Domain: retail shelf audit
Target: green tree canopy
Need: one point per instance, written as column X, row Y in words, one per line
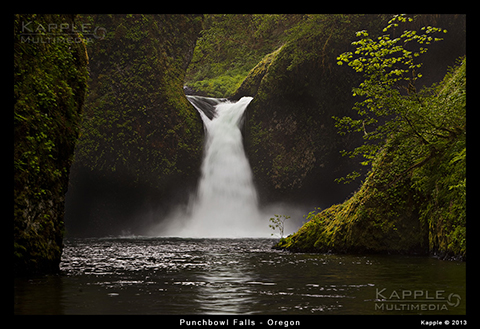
column 389, row 102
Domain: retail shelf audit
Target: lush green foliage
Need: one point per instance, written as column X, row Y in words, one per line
column 278, row 222
column 414, row 198
column 254, row 78
column 389, row 100
column 427, row 127
column 441, row 176
column 230, row 46
column 49, row 87
column 137, row 119
column 317, row 36
column 290, row 136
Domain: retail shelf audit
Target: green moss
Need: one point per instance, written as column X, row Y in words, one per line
column 290, row 137
column 220, row 86
column 251, row 83
column 376, row 219
column 230, row 46
column 140, row 139
column 442, row 181
column 137, row 120
column 403, row 207
column 49, row 87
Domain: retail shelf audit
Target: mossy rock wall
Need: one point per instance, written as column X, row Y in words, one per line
column 141, row 137
column 379, row 218
column 50, row 80
column 405, row 206
column 290, row 135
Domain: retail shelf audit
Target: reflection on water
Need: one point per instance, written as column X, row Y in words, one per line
column 224, row 290
column 233, row 276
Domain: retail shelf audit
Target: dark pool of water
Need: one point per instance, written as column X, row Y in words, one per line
column 237, row 276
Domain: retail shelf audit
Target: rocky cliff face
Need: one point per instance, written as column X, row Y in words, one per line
column 405, row 205
column 50, row 78
column 290, row 136
column 140, row 137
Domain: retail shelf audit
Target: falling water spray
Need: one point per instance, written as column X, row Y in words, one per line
column 226, row 203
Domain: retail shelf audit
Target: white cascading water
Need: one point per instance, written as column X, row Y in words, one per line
column 226, row 201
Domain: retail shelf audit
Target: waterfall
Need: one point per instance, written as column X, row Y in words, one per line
column 225, row 204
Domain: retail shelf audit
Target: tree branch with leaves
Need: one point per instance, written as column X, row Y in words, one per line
column 278, row 222
column 389, row 102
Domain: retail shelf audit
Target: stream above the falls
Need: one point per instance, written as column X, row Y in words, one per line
column 146, row 275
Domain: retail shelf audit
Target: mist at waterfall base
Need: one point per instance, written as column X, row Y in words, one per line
column 225, row 203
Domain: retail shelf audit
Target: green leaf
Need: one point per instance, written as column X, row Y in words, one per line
column 388, row 69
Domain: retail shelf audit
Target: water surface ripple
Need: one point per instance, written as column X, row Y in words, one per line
column 139, row 275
